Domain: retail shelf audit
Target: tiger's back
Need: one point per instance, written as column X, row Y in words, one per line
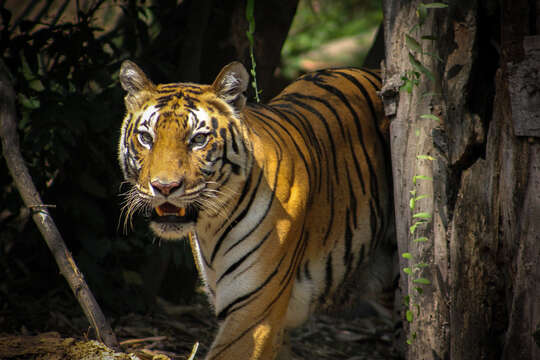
column 282, row 202
column 332, row 124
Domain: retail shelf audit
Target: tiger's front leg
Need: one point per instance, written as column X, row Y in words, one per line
column 254, row 331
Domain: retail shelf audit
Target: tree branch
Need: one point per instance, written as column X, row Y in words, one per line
column 40, row 213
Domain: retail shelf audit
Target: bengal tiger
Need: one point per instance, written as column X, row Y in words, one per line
column 281, row 202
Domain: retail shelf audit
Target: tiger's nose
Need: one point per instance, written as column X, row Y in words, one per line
column 166, row 188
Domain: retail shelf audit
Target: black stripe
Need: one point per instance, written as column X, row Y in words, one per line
column 295, row 256
column 313, row 139
column 374, row 186
column 376, row 87
column 293, row 98
column 374, row 182
column 373, row 223
column 307, row 273
column 234, row 133
column 359, row 174
column 227, row 310
column 348, row 256
column 327, row 277
column 272, row 196
column 243, row 194
column 327, row 105
column 266, row 311
column 352, row 197
column 372, row 73
column 330, row 218
column 236, row 219
column 292, row 139
column 235, row 265
column 225, row 159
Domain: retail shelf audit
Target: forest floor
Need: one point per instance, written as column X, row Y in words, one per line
column 173, row 330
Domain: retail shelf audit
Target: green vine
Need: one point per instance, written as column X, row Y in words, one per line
column 411, row 79
column 249, row 33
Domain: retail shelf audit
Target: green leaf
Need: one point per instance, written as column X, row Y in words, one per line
column 422, row 281
column 407, row 86
column 430, row 116
column 419, row 290
column 421, row 239
column 412, row 43
column 420, row 177
column 418, row 66
column 422, row 215
column 407, row 271
column 409, row 316
column 425, row 157
column 406, row 300
column 421, row 265
column 435, row 6
column 31, row 103
column 406, row 255
column 421, row 11
column 412, row 203
column 413, row 227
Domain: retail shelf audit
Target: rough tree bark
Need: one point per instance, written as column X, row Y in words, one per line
column 483, row 248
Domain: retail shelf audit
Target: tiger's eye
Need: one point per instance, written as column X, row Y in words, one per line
column 145, row 139
column 199, row 139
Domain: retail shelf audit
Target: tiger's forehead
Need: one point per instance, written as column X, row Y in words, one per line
column 187, row 107
column 184, row 97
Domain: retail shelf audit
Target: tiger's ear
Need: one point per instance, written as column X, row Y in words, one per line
column 230, row 84
column 135, row 82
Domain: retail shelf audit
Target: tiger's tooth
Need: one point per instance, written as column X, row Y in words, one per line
column 158, row 211
column 182, row 212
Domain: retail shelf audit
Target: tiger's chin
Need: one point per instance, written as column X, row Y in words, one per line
column 172, row 231
column 172, row 223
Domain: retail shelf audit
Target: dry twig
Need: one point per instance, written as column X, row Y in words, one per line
column 40, row 212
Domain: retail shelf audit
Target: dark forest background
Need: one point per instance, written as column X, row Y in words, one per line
column 63, row 57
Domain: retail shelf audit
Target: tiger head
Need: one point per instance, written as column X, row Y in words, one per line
column 182, row 147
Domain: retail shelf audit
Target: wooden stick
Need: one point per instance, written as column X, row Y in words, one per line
column 40, row 212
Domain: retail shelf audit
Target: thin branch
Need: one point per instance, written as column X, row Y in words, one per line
column 42, row 218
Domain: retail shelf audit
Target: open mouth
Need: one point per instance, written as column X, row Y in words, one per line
column 169, row 213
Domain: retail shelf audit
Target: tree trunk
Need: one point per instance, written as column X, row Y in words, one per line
column 483, row 186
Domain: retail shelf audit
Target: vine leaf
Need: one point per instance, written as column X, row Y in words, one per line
column 413, row 44
column 422, row 215
column 409, row 315
column 435, row 6
column 418, row 66
column 413, row 227
column 422, row 281
column 421, row 177
column 430, row 117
